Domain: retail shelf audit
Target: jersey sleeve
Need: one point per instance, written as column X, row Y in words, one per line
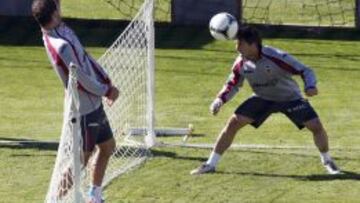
column 291, row 65
column 98, row 68
column 233, row 83
column 306, row 73
column 86, row 82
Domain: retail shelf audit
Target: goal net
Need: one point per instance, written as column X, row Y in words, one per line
column 338, row 13
column 130, row 64
column 333, row 13
column 65, row 180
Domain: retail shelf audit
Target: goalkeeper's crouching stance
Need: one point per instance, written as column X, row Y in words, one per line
column 64, row 48
column 269, row 72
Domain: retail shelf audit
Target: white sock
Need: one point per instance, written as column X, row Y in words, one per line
column 213, row 159
column 325, row 157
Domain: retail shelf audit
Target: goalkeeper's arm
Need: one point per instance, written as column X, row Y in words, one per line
column 298, row 68
column 231, row 87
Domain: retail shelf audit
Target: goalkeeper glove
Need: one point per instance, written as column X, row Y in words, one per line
column 216, row 105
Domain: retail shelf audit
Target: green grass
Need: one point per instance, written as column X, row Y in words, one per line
column 243, row 176
column 186, row 82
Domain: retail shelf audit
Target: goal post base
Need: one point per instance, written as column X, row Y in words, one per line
column 165, row 132
column 150, row 138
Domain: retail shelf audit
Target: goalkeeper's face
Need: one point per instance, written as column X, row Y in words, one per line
column 247, row 50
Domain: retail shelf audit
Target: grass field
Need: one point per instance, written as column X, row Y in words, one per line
column 187, row 81
column 190, row 70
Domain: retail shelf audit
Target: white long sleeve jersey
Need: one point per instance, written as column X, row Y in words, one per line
column 63, row 47
column 270, row 77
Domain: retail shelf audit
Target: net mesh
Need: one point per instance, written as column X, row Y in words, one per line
column 127, row 63
column 65, row 180
column 127, row 8
column 305, row 12
column 113, row 9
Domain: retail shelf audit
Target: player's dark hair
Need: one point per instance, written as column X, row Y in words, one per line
column 42, row 10
column 249, row 35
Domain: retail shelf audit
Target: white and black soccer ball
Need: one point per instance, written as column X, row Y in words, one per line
column 223, row 26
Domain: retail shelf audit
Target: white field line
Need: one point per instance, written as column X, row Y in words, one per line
column 192, row 145
column 250, row 146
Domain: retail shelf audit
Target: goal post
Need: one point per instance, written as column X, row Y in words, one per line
column 150, row 137
column 66, row 177
column 75, row 131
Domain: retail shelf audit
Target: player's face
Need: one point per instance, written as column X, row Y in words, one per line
column 247, row 50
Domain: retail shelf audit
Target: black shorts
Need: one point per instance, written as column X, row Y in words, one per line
column 258, row 109
column 95, row 129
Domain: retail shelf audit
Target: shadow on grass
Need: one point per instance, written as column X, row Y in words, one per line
column 292, row 153
column 346, row 175
column 173, row 155
column 22, row 143
column 14, row 143
column 194, row 135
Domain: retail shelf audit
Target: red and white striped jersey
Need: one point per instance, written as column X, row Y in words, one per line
column 63, row 47
column 270, row 77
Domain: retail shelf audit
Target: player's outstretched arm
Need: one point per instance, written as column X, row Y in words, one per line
column 215, row 106
column 298, row 68
column 230, row 89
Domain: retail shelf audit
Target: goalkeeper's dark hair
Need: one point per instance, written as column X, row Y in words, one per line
column 250, row 35
column 42, row 10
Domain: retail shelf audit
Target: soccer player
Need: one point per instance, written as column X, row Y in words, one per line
column 269, row 72
column 64, row 48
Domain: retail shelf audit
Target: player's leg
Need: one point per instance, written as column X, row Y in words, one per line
column 319, row 134
column 105, row 151
column 105, row 144
column 253, row 111
column 301, row 113
column 66, row 181
column 226, row 136
column 101, row 160
column 321, row 142
column 223, row 142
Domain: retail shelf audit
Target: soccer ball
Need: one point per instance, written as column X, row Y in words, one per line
column 223, row 26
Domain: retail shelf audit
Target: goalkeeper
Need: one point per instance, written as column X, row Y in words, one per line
column 269, row 72
column 63, row 48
